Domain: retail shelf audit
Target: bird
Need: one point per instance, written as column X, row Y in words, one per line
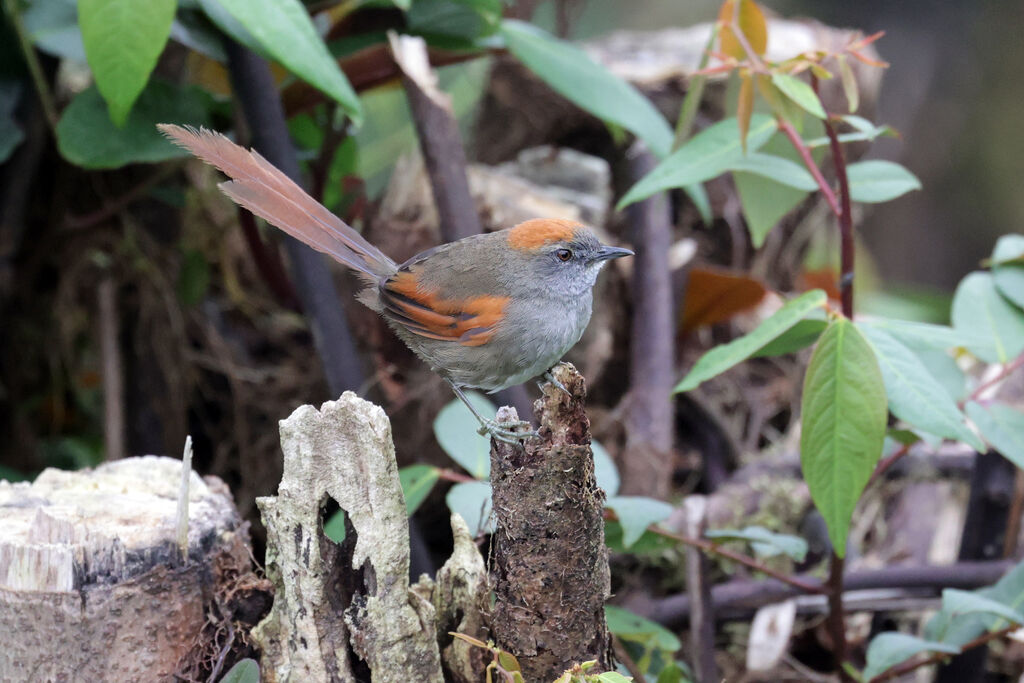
column 487, row 312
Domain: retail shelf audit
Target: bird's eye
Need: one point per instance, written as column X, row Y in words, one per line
column 563, row 254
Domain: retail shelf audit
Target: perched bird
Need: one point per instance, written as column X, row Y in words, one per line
column 485, row 312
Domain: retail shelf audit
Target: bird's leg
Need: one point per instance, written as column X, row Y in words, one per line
column 548, row 377
column 508, row 432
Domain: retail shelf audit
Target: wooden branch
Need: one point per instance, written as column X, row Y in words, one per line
column 698, row 587
column 342, row 609
column 550, row 567
column 113, row 370
column 647, row 463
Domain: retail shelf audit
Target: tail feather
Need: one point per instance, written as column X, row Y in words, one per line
column 267, row 192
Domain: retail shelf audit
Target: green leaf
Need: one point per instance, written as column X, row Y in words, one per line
column 1003, row 427
column 765, row 543
column 798, row 337
column 53, row 27
column 573, row 74
column 800, row 92
column 915, row 396
column 605, row 471
column 877, row 181
column 649, row 543
column 1008, row 267
column 944, row 368
column 417, row 482
column 967, row 602
column 465, row 19
column 979, row 308
column 245, row 671
column 87, row 137
column 283, row 28
column 721, row 358
column 842, row 425
column 889, row 649
column 123, row 39
column 613, row 677
column 472, row 501
column 957, row 629
column 706, row 155
column 779, row 169
column 630, row 626
column 334, row 528
column 456, row 430
column 925, row 336
column 636, row 513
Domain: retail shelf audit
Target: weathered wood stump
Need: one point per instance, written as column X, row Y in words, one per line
column 92, row 583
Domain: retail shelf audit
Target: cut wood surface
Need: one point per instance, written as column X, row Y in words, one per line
column 92, row 584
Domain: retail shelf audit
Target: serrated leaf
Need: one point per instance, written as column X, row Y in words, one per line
column 87, row 137
column 764, row 542
column 843, row 418
column 285, row 31
column 781, row 170
column 472, row 501
column 417, row 482
column 574, row 75
column 636, row 513
column 123, row 39
column 1008, row 267
column 455, row 428
column 630, row 626
column 704, row 156
column 1002, row 426
column 605, row 472
column 245, row 671
column 800, row 93
column 751, row 22
column 967, row 602
column 979, row 308
column 721, row 358
column 849, row 81
column 915, row 396
column 875, row 181
column 889, row 649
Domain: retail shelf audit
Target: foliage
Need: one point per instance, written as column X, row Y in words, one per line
column 245, row 671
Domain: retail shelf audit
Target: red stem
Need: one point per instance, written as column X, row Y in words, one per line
column 805, row 154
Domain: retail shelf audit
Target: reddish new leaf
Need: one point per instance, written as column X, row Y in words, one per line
column 713, row 295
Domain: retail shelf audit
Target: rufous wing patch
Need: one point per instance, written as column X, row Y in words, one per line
column 470, row 322
column 536, row 233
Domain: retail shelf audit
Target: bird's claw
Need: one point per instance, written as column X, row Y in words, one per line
column 508, row 432
column 548, row 377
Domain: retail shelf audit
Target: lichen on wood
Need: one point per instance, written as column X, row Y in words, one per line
column 342, row 612
column 550, row 567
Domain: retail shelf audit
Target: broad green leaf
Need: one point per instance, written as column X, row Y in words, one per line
column 573, row 74
column 944, row 368
column 925, row 336
column 800, row 336
column 649, row 543
column 123, row 39
column 334, row 528
column 958, row 629
column 721, row 358
column 706, row 155
column 914, row 395
column 626, row 624
column 636, row 513
column 195, row 31
column 877, row 181
column 472, row 501
column 285, row 31
column 889, row 649
column 87, row 137
column 765, row 543
column 1003, row 427
column 1008, row 268
column 464, row 19
column 417, row 482
column 605, row 471
column 53, row 27
column 979, row 308
column 613, row 677
column 783, row 171
column 799, row 92
column 456, row 430
column 245, row 671
column 219, row 15
column 842, row 425
column 967, row 602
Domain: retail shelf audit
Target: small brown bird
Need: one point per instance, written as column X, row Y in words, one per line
column 485, row 312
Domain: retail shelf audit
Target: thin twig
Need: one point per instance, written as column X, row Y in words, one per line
column 935, row 658
column 805, row 155
column 846, row 247
column 887, row 462
column 1006, row 371
column 451, row 475
column 113, row 371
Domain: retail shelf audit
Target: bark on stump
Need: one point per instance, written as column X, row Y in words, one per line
column 92, row 587
column 550, row 569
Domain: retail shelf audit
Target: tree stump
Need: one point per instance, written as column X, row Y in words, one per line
column 92, row 583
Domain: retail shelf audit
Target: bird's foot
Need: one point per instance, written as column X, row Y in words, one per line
column 550, row 378
column 507, row 432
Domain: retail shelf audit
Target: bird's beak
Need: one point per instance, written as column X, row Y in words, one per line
column 606, row 253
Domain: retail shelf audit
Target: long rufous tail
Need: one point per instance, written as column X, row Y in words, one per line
column 260, row 187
